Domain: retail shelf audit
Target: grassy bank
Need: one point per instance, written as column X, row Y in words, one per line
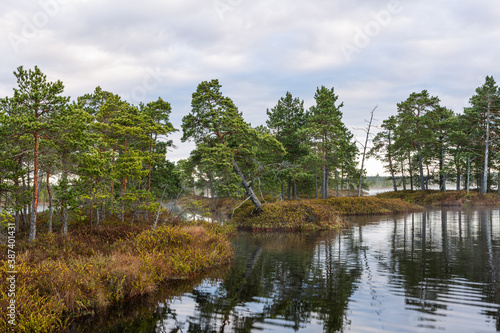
column 60, row 278
column 316, row 213
column 449, row 198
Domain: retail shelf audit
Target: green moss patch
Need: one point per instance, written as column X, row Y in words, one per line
column 449, row 198
column 316, row 214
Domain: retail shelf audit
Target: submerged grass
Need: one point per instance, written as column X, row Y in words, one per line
column 316, row 213
column 59, row 278
column 448, row 198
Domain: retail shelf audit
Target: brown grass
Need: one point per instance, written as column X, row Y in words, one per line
column 90, row 270
column 316, row 213
column 288, row 215
column 449, row 198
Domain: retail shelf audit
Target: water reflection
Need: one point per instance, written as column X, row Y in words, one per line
column 421, row 272
column 279, row 281
column 437, row 271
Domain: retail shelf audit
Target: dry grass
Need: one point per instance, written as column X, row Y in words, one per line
column 316, row 213
column 449, row 198
column 89, row 270
column 288, row 215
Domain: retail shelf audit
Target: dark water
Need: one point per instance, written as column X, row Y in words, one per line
column 434, row 271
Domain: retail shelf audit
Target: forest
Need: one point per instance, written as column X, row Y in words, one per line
column 100, row 156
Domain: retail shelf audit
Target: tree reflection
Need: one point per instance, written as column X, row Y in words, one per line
column 448, row 245
column 288, row 280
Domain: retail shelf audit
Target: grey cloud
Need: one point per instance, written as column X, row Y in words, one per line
column 260, row 49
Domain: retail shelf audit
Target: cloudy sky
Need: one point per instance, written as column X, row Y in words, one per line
column 373, row 52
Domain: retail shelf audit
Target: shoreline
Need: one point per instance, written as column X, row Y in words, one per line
column 92, row 270
column 60, row 279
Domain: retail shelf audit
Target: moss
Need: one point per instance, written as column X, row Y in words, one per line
column 449, row 198
column 89, row 270
column 370, row 206
column 288, row 215
column 316, row 213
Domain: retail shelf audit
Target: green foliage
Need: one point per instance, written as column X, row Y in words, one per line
column 90, row 147
column 433, row 142
column 227, row 146
column 333, row 142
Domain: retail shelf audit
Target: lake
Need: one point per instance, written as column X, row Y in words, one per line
column 436, row 271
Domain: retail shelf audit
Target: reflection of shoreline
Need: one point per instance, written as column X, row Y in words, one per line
column 392, row 273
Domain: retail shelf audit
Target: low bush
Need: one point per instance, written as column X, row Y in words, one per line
column 448, row 198
column 59, row 278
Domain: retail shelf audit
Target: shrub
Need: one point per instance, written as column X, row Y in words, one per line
column 90, row 270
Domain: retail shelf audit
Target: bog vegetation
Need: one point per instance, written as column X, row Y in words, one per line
column 98, row 158
column 441, row 198
column 62, row 278
column 317, row 214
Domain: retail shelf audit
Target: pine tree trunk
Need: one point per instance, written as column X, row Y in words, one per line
column 403, row 178
column 342, row 178
column 97, row 217
column 411, row 173
column 17, row 210
column 149, row 166
column 427, row 177
column 16, row 219
column 421, row 171
column 442, row 177
column 247, row 187
column 315, row 182
column 326, row 182
column 35, row 189
column 91, row 204
column 468, row 175
column 391, row 168
column 64, row 213
column 337, row 182
column 282, row 197
column 323, row 182
column 28, row 207
column 50, row 203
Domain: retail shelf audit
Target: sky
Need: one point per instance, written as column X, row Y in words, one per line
column 372, row 52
